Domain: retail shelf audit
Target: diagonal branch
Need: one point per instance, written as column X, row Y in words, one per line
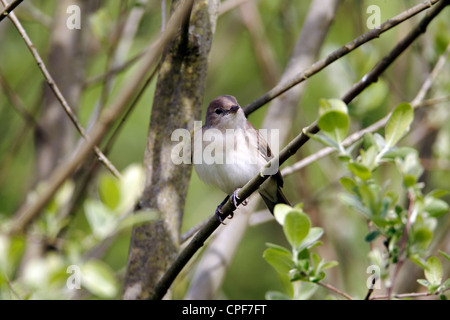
column 9, row 8
column 335, row 55
column 245, row 192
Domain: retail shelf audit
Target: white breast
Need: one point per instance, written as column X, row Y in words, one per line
column 231, row 166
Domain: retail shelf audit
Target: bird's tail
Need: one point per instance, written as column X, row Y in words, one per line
column 280, row 198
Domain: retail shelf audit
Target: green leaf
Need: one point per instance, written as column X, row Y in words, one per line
column 296, row 227
column 398, row 153
column 280, row 212
column 372, row 236
column 354, row 203
column 359, row 170
column 333, row 119
column 101, row 219
column 306, row 290
column 418, row 260
column 280, row 260
column 369, row 196
column 423, row 282
column 277, row 247
column 137, row 218
column 109, row 191
column 446, row 284
column 398, row 124
column 369, row 157
column 433, row 271
column 422, row 238
column 410, row 168
column 438, row 193
column 329, row 264
column 349, row 185
column 313, row 235
column 322, row 138
column 445, row 255
column 327, row 105
column 435, row 207
column 99, row 279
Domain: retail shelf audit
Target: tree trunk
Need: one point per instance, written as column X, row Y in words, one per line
column 177, row 103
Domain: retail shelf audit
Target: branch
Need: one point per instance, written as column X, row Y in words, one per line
column 408, row 295
column 31, row 209
column 245, row 192
column 335, row 290
column 58, row 94
column 335, row 55
column 9, row 8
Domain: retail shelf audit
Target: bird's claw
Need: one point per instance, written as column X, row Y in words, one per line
column 235, row 198
column 219, row 214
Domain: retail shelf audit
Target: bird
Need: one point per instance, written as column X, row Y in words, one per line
column 233, row 152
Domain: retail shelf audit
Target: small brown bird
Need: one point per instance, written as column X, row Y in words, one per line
column 233, row 152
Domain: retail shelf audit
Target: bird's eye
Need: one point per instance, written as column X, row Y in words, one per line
column 218, row 111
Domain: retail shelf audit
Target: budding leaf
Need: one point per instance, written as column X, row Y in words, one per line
column 296, row 227
column 433, row 271
column 333, row 119
column 398, row 124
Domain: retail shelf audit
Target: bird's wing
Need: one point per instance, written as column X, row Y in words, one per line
column 265, row 152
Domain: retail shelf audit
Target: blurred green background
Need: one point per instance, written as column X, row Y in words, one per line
column 233, row 70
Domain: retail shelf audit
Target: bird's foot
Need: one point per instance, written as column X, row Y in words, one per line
column 235, row 198
column 219, row 212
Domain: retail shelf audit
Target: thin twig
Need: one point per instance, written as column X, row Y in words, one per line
column 335, row 290
column 11, row 287
column 408, row 295
column 58, row 94
column 30, row 12
column 116, row 69
column 17, row 103
column 213, row 223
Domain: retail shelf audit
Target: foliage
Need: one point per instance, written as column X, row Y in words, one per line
column 74, row 263
column 298, row 263
column 383, row 180
column 407, row 219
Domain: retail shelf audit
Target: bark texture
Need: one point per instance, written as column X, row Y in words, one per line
column 177, row 103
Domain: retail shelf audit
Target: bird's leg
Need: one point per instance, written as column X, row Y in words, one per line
column 219, row 210
column 235, row 198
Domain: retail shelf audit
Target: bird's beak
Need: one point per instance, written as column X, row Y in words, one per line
column 234, row 109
